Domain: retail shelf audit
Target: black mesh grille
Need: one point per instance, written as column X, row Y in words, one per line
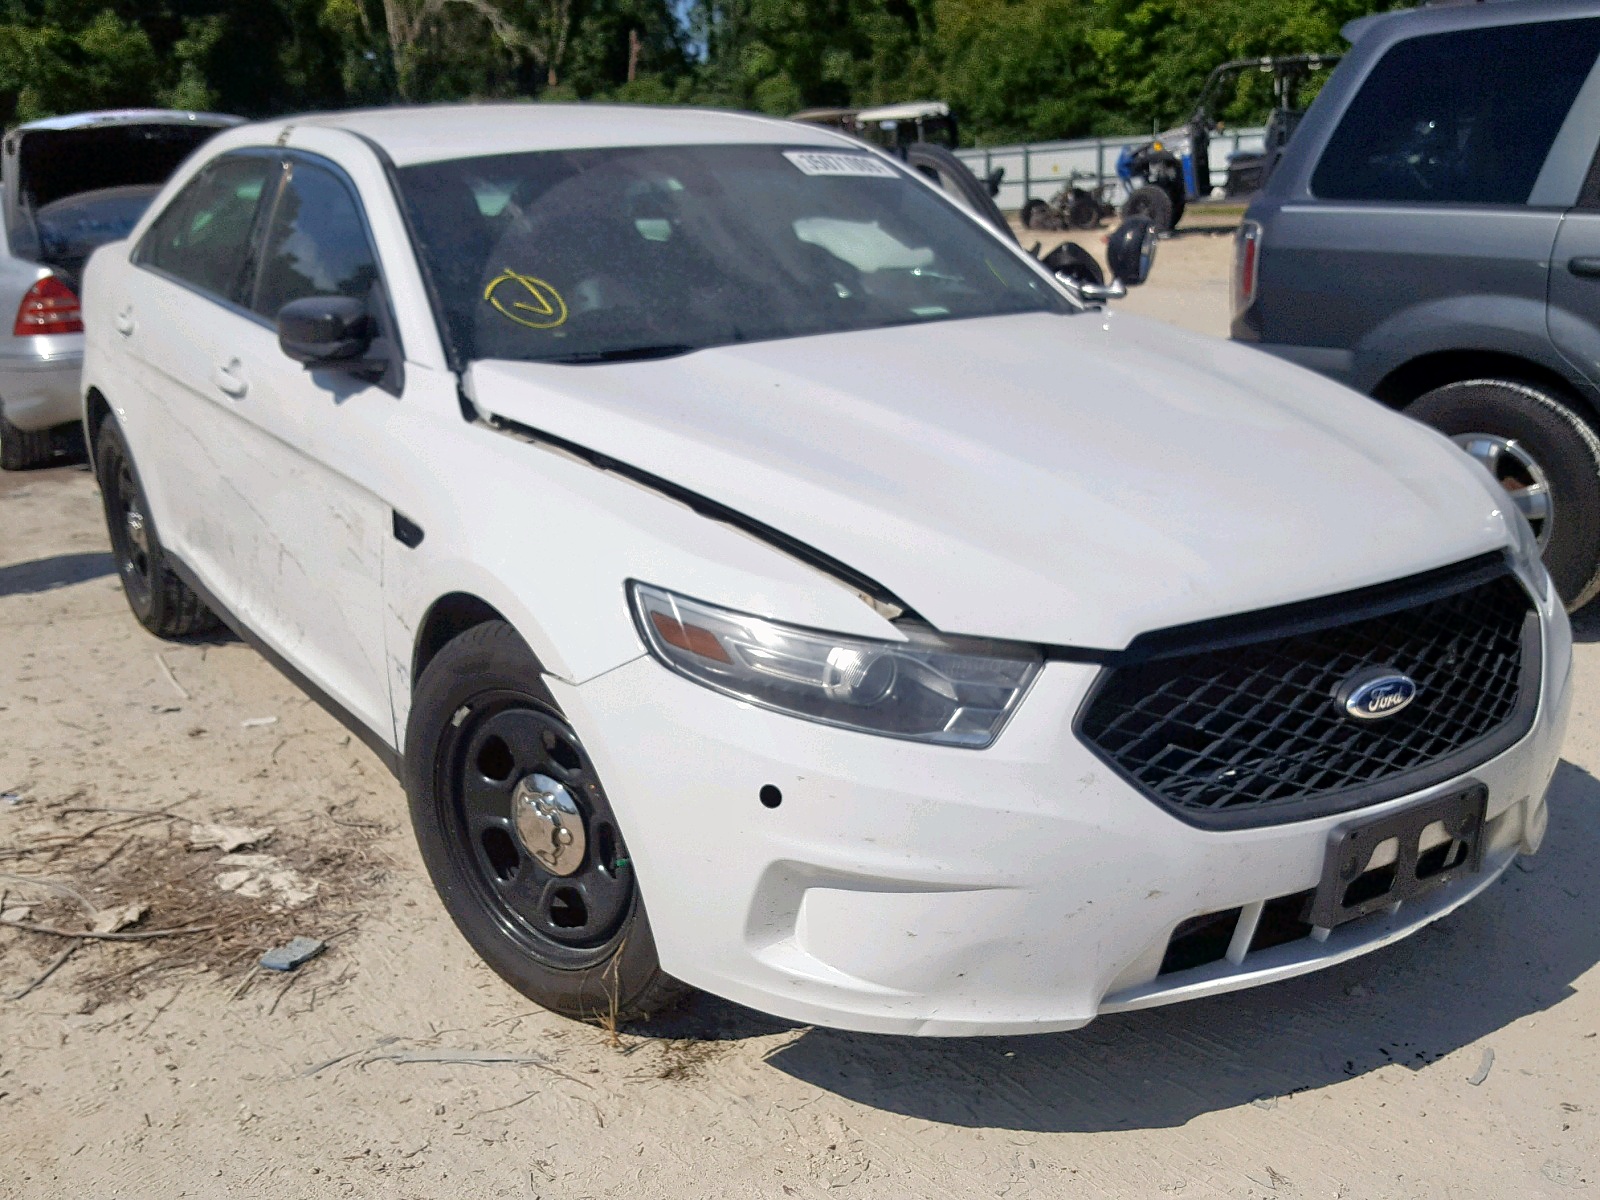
column 1251, row 734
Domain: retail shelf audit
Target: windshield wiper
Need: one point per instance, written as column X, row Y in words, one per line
column 625, row 353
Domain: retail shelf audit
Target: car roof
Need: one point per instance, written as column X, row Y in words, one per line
column 130, row 116
column 432, row 133
column 1447, row 15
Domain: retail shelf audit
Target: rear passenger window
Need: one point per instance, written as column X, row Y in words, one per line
column 316, row 245
column 202, row 237
column 1459, row 118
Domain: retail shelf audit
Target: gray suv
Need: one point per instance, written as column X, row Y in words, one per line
column 1431, row 237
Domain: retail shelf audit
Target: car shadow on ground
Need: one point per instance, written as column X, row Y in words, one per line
column 59, row 571
column 1197, row 231
column 1514, row 951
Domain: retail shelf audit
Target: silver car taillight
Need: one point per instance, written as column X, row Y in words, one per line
column 49, row 307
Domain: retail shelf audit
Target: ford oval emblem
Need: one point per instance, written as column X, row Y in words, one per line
column 1377, row 693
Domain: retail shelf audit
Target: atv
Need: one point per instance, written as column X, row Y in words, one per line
column 1164, row 174
column 1084, row 203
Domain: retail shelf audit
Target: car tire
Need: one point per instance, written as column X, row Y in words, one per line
column 954, row 177
column 482, row 726
column 161, row 601
column 21, row 449
column 1564, row 449
column 1153, row 201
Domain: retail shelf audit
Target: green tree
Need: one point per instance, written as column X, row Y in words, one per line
column 1013, row 69
column 46, row 68
column 1155, row 54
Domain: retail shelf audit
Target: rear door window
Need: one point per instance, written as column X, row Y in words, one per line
column 1459, row 118
column 317, row 244
column 202, row 238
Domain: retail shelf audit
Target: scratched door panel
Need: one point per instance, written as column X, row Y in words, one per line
column 311, row 564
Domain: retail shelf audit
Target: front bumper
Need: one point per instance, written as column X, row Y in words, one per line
column 40, row 391
column 904, row 888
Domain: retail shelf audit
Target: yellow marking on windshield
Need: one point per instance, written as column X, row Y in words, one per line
column 526, row 300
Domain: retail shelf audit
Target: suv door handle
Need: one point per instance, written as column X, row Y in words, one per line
column 1586, row 268
column 229, row 381
column 124, row 322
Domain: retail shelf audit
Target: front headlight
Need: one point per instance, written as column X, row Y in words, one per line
column 955, row 692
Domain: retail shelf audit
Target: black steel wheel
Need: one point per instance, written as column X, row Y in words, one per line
column 560, row 892
column 160, row 600
column 519, row 838
column 129, row 529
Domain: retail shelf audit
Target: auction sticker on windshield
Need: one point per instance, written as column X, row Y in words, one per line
column 813, row 162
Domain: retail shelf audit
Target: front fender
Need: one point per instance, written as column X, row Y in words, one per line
column 550, row 542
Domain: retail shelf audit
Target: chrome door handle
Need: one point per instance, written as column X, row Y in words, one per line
column 229, row 381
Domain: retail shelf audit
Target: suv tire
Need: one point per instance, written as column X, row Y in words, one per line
column 482, row 725
column 24, row 448
column 1564, row 447
column 161, row 601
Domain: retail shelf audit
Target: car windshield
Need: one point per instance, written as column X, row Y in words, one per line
column 601, row 255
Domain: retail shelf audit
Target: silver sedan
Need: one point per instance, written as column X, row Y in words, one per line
column 71, row 184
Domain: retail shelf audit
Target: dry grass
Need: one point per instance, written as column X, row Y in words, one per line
column 69, row 859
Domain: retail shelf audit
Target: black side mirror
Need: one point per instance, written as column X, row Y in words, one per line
column 1071, row 261
column 323, row 331
column 994, row 179
column 1131, row 250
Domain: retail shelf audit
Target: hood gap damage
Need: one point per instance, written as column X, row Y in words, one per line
column 871, row 593
column 877, row 597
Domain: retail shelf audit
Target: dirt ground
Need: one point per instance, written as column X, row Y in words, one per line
column 1463, row 1062
column 1190, row 284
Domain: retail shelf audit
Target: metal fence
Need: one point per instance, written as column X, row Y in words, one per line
column 1043, row 168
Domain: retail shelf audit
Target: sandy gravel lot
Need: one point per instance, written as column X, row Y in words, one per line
column 395, row 1066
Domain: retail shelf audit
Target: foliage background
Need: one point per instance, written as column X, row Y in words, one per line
column 1012, row 69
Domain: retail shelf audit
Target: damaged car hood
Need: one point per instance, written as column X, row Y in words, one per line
column 1070, row 480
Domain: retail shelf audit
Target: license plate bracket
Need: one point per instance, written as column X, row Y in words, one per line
column 1351, row 887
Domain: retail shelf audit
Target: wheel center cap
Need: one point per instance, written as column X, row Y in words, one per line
column 549, row 825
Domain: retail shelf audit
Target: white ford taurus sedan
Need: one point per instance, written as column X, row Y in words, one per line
column 765, row 576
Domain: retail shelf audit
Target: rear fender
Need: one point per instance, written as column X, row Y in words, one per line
column 1498, row 324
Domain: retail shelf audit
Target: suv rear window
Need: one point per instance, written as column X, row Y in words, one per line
column 1459, row 118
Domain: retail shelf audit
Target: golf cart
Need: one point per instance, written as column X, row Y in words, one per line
column 923, row 133
column 892, row 126
column 1164, row 174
